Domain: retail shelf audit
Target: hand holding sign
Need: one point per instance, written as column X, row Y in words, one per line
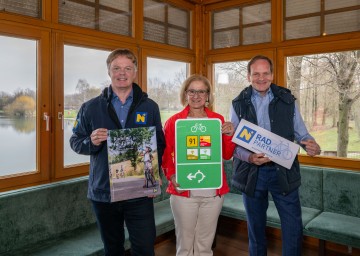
column 262, row 141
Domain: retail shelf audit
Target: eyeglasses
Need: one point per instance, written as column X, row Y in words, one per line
column 126, row 70
column 201, row 93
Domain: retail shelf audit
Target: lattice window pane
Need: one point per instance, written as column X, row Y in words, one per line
column 257, row 13
column 77, row 14
column 242, row 25
column 30, row 8
column 106, row 15
column 336, row 4
column 154, row 32
column 226, row 19
column 342, row 22
column 300, row 7
column 167, row 24
column 154, row 10
column 178, row 17
column 120, row 5
column 114, row 23
column 301, row 28
column 257, row 34
column 226, row 39
column 178, row 37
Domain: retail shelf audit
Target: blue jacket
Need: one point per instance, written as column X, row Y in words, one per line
column 100, row 113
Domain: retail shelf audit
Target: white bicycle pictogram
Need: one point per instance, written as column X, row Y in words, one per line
column 284, row 149
column 198, row 126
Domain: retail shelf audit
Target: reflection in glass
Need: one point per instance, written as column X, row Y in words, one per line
column 328, row 92
column 17, row 105
column 164, row 79
column 85, row 75
column 230, row 80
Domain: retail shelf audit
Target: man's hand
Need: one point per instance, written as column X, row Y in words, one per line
column 98, row 136
column 258, row 159
column 311, row 147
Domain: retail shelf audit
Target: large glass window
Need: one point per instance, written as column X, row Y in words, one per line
column 230, row 79
column 327, row 88
column 18, row 101
column 164, row 79
column 85, row 75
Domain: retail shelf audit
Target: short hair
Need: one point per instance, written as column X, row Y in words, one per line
column 185, row 85
column 121, row 52
column 259, row 57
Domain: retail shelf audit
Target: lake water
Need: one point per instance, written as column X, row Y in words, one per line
column 18, row 145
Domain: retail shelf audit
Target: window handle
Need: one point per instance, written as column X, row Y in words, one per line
column 46, row 118
column 61, row 117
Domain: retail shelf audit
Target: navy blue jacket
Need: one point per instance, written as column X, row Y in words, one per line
column 100, row 113
column 281, row 113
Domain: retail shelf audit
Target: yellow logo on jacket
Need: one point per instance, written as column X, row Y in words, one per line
column 141, row 118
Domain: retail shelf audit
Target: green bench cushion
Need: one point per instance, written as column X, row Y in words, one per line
column 87, row 240
column 164, row 220
column 342, row 192
column 335, row 227
column 233, row 207
column 32, row 215
column 273, row 219
column 311, row 187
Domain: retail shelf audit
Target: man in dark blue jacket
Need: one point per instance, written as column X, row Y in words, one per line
column 121, row 105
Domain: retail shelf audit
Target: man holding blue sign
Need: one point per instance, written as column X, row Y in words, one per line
column 273, row 108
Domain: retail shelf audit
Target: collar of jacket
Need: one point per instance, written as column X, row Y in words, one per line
column 185, row 112
column 138, row 96
column 279, row 93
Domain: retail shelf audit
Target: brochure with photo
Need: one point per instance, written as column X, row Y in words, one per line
column 133, row 163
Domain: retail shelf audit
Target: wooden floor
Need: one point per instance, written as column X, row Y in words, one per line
column 232, row 240
column 228, row 246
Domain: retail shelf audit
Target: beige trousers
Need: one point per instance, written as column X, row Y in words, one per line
column 195, row 223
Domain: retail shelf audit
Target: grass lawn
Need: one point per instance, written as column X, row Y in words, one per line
column 165, row 114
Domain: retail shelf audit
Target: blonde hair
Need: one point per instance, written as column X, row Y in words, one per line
column 185, row 85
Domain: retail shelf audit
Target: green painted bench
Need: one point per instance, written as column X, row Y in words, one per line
column 57, row 219
column 330, row 202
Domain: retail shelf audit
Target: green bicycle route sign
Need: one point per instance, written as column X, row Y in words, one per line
column 198, row 157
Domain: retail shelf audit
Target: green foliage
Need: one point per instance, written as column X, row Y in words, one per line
column 166, row 114
column 70, row 113
column 128, row 142
column 21, row 106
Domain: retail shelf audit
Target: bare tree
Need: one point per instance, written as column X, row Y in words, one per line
column 339, row 71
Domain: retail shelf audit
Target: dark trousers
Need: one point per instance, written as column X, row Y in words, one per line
column 288, row 207
column 138, row 215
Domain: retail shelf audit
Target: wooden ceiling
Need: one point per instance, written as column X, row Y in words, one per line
column 204, row 2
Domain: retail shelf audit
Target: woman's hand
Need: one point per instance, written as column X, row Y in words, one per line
column 173, row 181
column 227, row 128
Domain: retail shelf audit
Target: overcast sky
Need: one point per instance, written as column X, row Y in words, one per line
column 18, row 66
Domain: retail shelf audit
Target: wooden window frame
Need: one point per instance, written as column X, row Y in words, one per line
column 43, row 105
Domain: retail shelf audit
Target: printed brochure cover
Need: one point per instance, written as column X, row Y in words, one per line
column 133, row 163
